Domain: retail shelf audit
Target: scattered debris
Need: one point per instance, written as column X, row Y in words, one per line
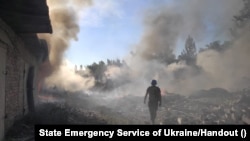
column 208, row 108
column 245, row 119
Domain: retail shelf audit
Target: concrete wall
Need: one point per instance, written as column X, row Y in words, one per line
column 14, row 65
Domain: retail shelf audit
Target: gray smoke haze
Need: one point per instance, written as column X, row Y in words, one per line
column 64, row 16
column 206, row 21
column 153, row 56
column 230, row 69
column 166, row 25
column 65, row 78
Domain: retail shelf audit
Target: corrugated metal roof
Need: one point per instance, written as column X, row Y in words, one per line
column 26, row 16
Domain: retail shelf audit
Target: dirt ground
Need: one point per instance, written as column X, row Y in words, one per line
column 208, row 107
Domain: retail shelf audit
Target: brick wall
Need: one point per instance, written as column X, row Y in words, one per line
column 14, row 86
column 17, row 65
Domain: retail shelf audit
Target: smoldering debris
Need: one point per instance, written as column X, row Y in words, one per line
column 214, row 106
column 199, row 109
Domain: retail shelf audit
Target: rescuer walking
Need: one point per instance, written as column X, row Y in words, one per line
column 154, row 101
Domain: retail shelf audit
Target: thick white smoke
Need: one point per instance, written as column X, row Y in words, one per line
column 153, row 56
column 68, row 80
column 206, row 21
column 64, row 16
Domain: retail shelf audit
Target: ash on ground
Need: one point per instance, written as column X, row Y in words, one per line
column 214, row 106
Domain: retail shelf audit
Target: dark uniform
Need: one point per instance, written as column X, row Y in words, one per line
column 154, row 101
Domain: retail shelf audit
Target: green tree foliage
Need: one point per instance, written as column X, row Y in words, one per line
column 167, row 59
column 117, row 62
column 189, row 52
column 217, row 45
column 98, row 70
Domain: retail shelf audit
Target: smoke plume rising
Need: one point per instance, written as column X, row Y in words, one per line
column 154, row 55
column 229, row 69
column 64, row 16
column 64, row 19
column 206, row 21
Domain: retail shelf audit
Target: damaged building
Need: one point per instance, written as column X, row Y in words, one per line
column 21, row 53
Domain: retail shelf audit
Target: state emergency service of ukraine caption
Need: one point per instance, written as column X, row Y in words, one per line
column 140, row 133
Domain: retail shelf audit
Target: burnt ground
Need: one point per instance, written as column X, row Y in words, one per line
column 215, row 106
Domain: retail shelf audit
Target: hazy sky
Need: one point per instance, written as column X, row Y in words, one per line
column 108, row 30
column 111, row 29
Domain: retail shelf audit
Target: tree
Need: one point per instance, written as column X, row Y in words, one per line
column 244, row 16
column 190, row 47
column 242, row 21
column 189, row 52
column 217, row 46
column 98, row 70
column 108, row 62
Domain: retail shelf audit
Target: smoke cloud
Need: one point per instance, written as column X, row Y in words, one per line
column 67, row 79
column 229, row 69
column 153, row 57
column 64, row 16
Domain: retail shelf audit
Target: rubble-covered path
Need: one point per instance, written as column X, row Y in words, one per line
column 214, row 106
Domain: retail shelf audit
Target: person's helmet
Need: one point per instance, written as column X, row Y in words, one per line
column 153, row 82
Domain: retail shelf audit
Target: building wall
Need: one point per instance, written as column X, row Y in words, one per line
column 2, row 88
column 14, row 81
column 14, row 87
